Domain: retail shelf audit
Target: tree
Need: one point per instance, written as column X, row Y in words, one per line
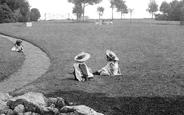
column 175, row 11
column 84, row 3
column 25, row 11
column 100, row 11
column 122, row 7
column 14, row 10
column 152, row 7
column 130, row 11
column 77, row 10
column 1, row 14
column 6, row 14
column 182, row 14
column 112, row 2
column 35, row 14
column 165, row 7
column 15, row 4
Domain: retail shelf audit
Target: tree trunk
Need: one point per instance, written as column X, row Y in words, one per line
column 181, row 22
column 130, row 17
column 121, row 15
column 99, row 15
column 112, row 12
column 77, row 16
column 45, row 16
column 182, row 16
column 83, row 11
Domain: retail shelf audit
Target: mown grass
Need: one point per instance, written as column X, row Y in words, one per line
column 151, row 60
column 10, row 61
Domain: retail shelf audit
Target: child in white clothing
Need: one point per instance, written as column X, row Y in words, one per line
column 18, row 47
column 112, row 67
column 81, row 71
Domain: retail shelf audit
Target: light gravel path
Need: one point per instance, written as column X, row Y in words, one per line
column 35, row 65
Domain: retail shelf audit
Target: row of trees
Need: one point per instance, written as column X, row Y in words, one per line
column 79, row 7
column 17, row 11
column 170, row 11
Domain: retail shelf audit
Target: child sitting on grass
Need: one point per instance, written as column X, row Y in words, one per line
column 18, row 47
column 81, row 71
column 112, row 67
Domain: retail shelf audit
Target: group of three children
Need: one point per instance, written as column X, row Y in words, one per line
column 82, row 72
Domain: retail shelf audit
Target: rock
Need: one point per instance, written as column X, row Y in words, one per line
column 28, row 106
column 28, row 113
column 10, row 112
column 35, row 113
column 82, row 109
column 20, row 114
column 5, row 97
column 51, row 101
column 54, row 110
column 72, row 113
column 19, row 108
column 67, row 109
column 13, row 104
column 36, row 98
column 58, row 102
column 3, row 108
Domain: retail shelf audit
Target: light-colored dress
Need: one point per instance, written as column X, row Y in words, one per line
column 17, row 48
column 111, row 69
column 81, row 71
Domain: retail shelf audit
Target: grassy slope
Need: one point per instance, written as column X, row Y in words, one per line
column 151, row 59
column 10, row 61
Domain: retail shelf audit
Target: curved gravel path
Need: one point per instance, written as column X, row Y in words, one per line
column 35, row 65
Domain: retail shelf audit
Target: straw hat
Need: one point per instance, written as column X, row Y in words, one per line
column 112, row 55
column 18, row 41
column 81, row 57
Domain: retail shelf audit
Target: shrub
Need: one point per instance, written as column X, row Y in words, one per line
column 35, row 14
column 161, row 17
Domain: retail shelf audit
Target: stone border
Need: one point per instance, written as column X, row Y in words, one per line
column 35, row 65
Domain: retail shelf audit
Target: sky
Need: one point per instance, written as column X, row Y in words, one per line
column 61, row 9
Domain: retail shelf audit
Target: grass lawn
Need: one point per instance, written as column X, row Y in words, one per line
column 151, row 57
column 10, row 61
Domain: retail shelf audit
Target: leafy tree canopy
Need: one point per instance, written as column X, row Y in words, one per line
column 85, row 2
column 6, row 14
column 121, row 6
column 77, row 10
column 165, row 7
column 35, row 14
column 152, row 7
column 100, row 11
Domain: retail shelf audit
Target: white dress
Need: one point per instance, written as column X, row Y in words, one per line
column 111, row 69
column 78, row 73
column 17, row 48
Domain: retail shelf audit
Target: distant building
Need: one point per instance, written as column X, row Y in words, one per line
column 85, row 18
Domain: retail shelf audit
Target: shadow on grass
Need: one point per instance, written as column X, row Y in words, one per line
column 125, row 105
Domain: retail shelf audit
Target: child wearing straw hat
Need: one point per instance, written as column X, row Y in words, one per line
column 112, row 67
column 81, row 71
column 18, row 47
